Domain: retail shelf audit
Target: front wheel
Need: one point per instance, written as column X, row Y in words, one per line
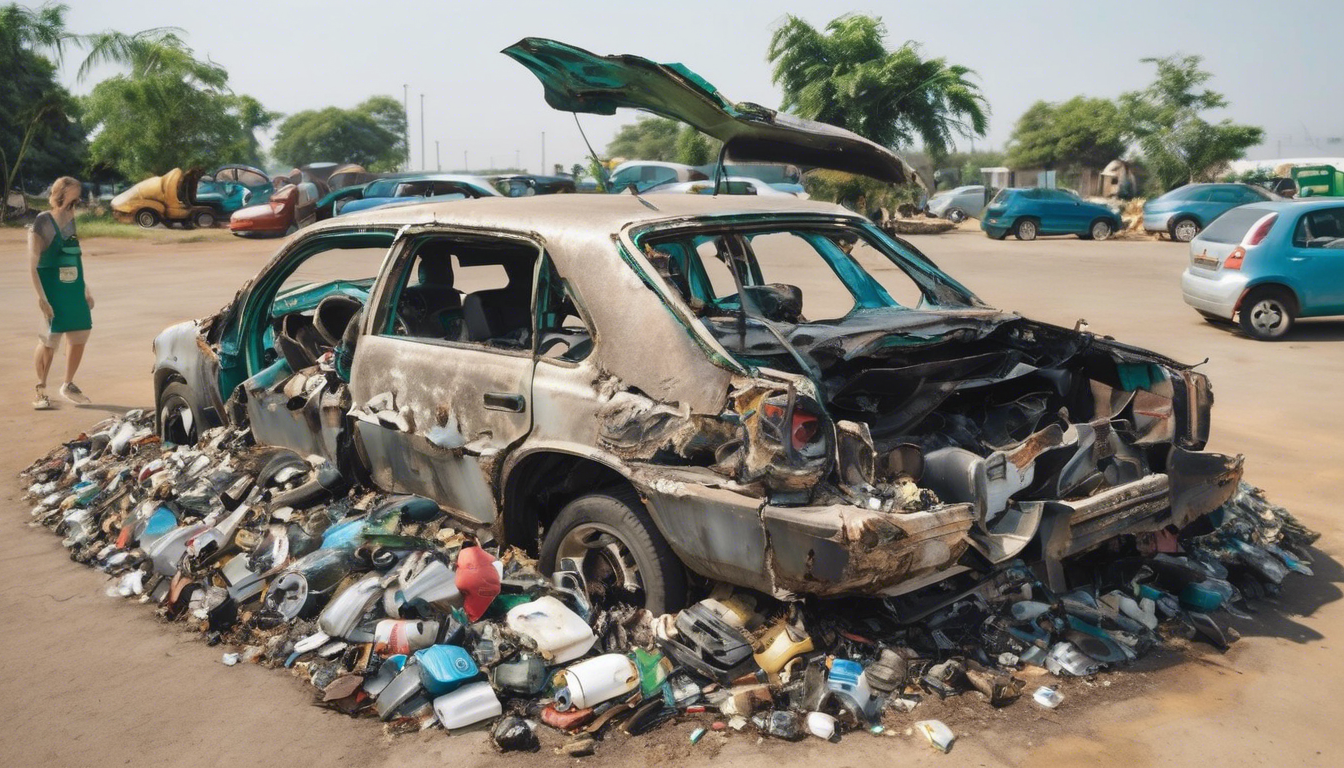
column 1185, row 230
column 1267, row 314
column 1100, row 230
column 1025, row 229
column 610, row 538
column 178, row 420
column 956, row 215
column 146, row 218
column 203, row 220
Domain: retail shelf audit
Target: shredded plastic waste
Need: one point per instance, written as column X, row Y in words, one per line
column 393, row 610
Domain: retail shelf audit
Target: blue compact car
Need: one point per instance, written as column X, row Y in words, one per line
column 1267, row 264
column 1027, row 213
column 409, row 190
column 1185, row 211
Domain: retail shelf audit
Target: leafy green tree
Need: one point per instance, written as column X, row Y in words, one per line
column 695, row 148
column 648, row 138
column 371, row 135
column 170, row 110
column 1178, row 145
column 845, row 75
column 38, row 129
column 1078, row 133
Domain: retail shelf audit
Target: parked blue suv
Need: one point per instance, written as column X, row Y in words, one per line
column 1030, row 212
column 1185, row 211
column 1267, row 264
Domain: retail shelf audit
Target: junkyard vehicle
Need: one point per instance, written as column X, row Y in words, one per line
column 1183, row 212
column 957, row 205
column 1267, row 264
column 526, row 185
column 648, row 175
column 1027, row 213
column 729, row 185
column 762, row 390
column 231, row 187
column 291, row 208
column 411, row 189
column 170, row 199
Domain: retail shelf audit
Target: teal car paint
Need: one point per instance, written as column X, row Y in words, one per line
column 232, row 187
column 1183, row 212
column 1027, row 213
column 1267, row 264
column 408, row 190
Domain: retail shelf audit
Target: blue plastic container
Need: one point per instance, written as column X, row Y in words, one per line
column 445, row 667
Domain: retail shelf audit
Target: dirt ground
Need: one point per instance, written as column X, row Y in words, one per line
column 88, row 680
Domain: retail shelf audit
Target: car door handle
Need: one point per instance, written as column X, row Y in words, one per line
column 502, row 401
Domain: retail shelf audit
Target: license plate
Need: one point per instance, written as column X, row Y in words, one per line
column 1205, row 260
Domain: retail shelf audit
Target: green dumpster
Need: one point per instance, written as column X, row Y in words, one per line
column 1322, row 180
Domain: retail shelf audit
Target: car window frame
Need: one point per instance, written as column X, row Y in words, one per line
column 396, row 272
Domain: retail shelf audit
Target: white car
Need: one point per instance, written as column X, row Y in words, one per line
column 730, row 185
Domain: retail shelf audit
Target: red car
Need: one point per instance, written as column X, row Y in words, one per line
column 291, row 208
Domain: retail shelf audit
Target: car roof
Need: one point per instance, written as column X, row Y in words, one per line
column 1309, row 204
column 560, row 216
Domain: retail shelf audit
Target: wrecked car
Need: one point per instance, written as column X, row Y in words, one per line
column 757, row 390
column 231, row 187
column 290, row 208
column 170, row 199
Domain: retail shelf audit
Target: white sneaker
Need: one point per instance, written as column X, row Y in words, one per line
column 72, row 393
column 41, row 402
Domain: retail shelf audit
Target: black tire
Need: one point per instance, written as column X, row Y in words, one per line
column 175, row 401
column 204, row 220
column 1099, row 230
column 1267, row 313
column 147, row 218
column 1026, row 229
column 619, row 513
column 1185, row 229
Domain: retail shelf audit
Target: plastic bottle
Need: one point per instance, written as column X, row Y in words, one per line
column 595, row 680
column 560, row 634
column 467, row 705
column 444, row 668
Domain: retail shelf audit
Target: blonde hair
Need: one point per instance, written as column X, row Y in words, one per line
column 58, row 187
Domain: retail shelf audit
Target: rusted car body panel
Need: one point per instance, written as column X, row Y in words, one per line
column 172, row 197
column 667, row 402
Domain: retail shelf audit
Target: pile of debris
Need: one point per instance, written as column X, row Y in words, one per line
column 392, row 611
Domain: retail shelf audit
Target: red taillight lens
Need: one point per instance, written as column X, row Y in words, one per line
column 802, row 430
column 1234, row 259
column 1260, row 229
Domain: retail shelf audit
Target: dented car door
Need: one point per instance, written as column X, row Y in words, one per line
column 441, row 392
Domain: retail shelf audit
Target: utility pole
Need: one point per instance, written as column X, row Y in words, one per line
column 543, row 153
column 437, row 162
column 406, row 133
column 517, row 154
column 466, row 166
column 422, row 131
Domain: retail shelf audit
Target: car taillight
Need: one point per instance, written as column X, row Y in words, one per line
column 803, row 427
column 1260, row 229
column 1234, row 259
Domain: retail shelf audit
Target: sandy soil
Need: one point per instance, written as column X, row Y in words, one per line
column 88, row 680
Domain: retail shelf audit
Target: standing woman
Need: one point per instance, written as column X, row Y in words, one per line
column 64, row 299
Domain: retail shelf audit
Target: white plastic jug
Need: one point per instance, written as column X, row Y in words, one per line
column 560, row 634
column 595, row 680
column 468, row 705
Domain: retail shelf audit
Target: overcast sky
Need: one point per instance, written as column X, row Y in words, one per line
column 1278, row 63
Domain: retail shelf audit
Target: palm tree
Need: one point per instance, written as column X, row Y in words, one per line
column 846, row 76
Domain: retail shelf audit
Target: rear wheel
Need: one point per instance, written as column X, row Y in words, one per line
column 1025, row 229
column 610, row 538
column 178, row 420
column 203, row 219
column 1185, row 230
column 1267, row 313
column 146, row 218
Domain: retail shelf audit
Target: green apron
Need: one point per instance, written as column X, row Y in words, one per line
column 61, row 270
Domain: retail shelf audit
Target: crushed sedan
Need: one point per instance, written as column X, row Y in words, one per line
column 763, row 391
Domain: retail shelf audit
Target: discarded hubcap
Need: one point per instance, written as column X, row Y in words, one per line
column 603, row 559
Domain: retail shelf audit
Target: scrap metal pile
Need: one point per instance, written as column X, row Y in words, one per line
column 392, row 611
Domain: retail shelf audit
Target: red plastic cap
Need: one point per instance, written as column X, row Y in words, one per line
column 477, row 580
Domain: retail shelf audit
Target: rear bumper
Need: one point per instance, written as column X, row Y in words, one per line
column 1217, row 295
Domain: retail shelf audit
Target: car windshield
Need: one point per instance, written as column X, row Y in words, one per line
column 384, row 188
column 1232, row 226
column 841, row 277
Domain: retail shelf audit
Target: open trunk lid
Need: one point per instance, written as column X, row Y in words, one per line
column 576, row 80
